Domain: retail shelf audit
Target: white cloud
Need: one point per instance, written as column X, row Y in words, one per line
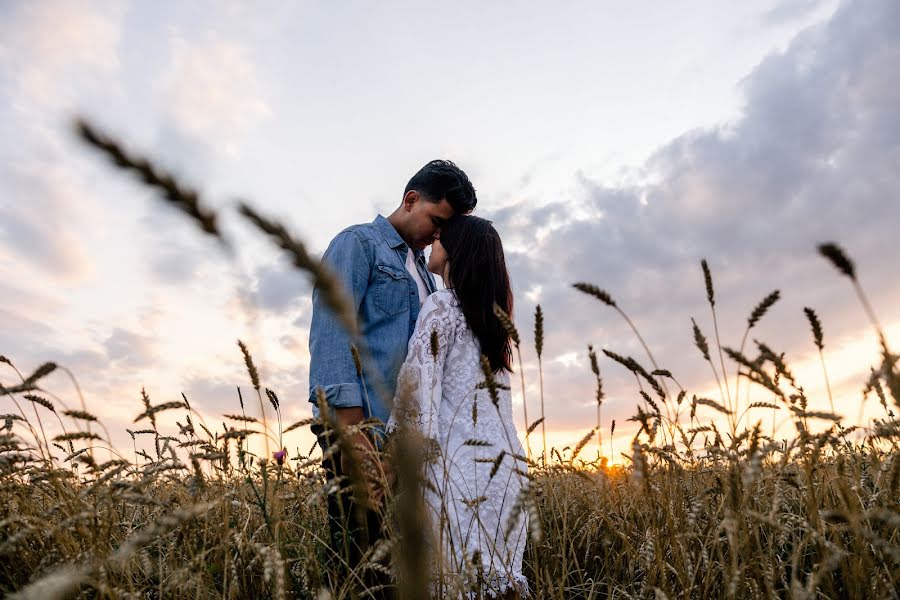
column 53, row 43
column 212, row 90
column 40, row 214
column 790, row 10
column 812, row 158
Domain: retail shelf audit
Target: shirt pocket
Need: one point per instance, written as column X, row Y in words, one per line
column 391, row 290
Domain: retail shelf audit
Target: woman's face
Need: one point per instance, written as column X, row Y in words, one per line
column 437, row 262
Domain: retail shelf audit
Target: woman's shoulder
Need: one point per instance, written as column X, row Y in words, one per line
column 441, row 305
column 441, row 299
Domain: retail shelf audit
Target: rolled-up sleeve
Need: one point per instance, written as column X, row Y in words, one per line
column 331, row 362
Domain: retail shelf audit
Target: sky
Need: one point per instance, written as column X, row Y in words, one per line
column 613, row 143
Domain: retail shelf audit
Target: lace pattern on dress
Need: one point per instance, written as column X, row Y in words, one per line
column 479, row 472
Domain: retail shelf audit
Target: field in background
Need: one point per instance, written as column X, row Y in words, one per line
column 198, row 516
column 698, row 511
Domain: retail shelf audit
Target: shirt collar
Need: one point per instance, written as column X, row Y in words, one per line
column 393, row 238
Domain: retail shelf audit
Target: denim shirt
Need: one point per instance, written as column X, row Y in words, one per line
column 370, row 261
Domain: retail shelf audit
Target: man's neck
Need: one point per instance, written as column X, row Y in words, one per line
column 395, row 219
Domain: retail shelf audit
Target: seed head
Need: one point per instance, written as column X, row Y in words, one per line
column 700, row 340
column 489, row 381
column 596, row 369
column 593, row 356
column 836, row 255
column 707, row 279
column 435, row 346
column 583, row 442
column 760, row 310
column 42, row 401
column 357, row 362
column 251, row 368
column 496, row 466
column 507, row 324
column 539, row 330
column 650, row 401
column 273, row 399
column 80, row 414
column 816, row 326
column 593, row 290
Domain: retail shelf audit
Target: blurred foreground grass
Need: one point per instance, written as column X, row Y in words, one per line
column 699, row 511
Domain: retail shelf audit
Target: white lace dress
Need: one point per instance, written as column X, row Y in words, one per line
column 475, row 505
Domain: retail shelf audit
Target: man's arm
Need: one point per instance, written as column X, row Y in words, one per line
column 331, row 366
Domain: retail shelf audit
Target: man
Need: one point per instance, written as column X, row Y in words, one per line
column 382, row 267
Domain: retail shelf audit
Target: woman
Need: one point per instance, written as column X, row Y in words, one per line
column 454, row 388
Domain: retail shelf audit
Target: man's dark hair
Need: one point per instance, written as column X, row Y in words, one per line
column 441, row 179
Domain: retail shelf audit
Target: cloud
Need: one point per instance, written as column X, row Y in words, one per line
column 37, row 301
column 175, row 249
column 36, row 216
column 129, row 349
column 57, row 46
column 303, row 321
column 218, row 395
column 52, row 55
column 811, row 158
column 212, row 89
column 173, row 266
column 274, row 291
column 16, row 327
column 280, row 288
column 789, row 10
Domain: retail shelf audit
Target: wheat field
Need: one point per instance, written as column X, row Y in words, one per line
column 698, row 510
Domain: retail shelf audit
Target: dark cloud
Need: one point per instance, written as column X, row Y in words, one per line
column 812, row 158
column 218, row 396
column 275, row 289
column 304, row 320
column 279, row 288
column 130, row 349
column 292, row 387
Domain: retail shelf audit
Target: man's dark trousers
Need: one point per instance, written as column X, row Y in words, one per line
column 352, row 531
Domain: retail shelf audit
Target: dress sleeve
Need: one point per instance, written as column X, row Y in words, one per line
column 419, row 383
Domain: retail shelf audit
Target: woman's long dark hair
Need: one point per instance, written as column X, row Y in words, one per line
column 479, row 278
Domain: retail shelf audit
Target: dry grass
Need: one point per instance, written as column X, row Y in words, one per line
column 698, row 512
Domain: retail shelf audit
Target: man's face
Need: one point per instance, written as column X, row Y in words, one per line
column 425, row 221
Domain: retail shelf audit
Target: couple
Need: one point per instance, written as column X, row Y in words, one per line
column 477, row 533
